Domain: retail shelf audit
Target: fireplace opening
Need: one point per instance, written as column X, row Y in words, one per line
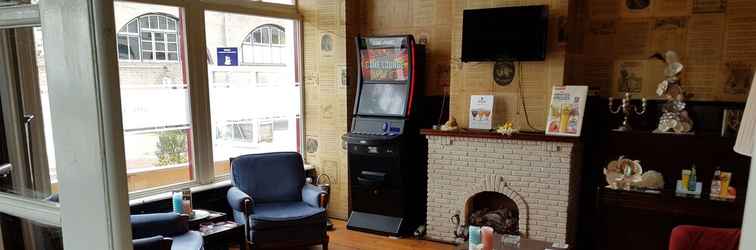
column 495, row 210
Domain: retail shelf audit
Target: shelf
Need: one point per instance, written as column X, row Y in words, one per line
column 667, row 203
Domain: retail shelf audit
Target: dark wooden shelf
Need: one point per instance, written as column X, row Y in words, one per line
column 479, row 133
column 669, row 204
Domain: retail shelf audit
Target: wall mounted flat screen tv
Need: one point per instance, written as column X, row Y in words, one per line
column 509, row 33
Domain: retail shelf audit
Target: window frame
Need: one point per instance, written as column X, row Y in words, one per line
column 195, row 53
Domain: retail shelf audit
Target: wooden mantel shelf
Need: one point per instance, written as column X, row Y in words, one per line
column 477, row 133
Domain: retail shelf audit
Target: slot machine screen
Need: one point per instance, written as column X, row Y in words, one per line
column 383, row 99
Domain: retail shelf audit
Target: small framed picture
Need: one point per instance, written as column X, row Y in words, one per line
column 731, row 122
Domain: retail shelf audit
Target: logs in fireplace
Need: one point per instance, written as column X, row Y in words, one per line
column 495, row 210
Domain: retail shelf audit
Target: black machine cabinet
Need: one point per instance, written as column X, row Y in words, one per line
column 387, row 156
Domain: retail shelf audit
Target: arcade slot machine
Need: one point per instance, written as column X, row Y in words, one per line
column 387, row 156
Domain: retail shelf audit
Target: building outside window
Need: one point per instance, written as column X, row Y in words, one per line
column 150, row 37
column 265, row 45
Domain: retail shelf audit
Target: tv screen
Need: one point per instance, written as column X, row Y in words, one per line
column 384, row 99
column 509, row 33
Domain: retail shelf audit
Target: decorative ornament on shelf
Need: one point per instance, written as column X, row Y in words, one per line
column 506, row 129
column 627, row 109
column 450, row 125
column 674, row 118
column 623, row 173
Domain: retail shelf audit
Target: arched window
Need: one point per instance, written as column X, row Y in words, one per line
column 150, row 37
column 264, row 45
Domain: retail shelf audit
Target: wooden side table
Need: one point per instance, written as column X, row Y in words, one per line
column 222, row 235
column 217, row 231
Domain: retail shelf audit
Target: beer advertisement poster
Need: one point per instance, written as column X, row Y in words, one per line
column 566, row 110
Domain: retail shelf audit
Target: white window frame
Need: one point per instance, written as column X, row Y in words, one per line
column 196, row 58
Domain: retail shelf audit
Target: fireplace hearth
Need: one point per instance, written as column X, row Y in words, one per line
column 495, row 210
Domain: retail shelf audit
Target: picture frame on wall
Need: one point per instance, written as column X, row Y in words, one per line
column 731, row 122
column 566, row 110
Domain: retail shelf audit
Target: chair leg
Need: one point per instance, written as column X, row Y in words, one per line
column 325, row 243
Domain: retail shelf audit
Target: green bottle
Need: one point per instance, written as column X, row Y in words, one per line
column 692, row 182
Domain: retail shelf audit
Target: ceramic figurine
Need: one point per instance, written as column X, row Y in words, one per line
column 450, row 125
column 674, row 118
column 623, row 173
column 506, row 129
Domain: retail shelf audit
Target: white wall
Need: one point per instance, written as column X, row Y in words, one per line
column 748, row 236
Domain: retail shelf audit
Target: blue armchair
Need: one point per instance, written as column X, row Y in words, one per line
column 164, row 231
column 269, row 196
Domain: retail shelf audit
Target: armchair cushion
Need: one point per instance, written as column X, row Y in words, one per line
column 237, row 198
column 703, row 238
column 285, row 214
column 269, row 177
column 166, row 224
column 311, row 195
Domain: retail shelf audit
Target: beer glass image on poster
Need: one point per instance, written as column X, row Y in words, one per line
column 566, row 110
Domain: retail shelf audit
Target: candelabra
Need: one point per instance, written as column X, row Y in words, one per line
column 627, row 109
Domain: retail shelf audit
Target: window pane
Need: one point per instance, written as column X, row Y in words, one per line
column 257, row 111
column 159, row 36
column 171, row 37
column 160, row 46
column 257, row 36
column 123, row 47
column 171, row 24
column 22, row 233
column 275, row 37
column 153, row 22
column 133, row 48
column 265, row 35
column 144, row 22
column 173, row 56
column 172, row 47
column 162, row 21
column 155, row 107
column 133, row 27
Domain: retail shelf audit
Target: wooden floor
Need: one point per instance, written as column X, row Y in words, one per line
column 342, row 239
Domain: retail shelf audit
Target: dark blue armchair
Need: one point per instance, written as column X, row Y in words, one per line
column 164, row 231
column 269, row 196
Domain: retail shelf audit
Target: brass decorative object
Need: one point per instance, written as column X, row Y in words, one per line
column 627, row 109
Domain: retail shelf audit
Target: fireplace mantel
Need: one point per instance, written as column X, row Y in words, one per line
column 479, row 133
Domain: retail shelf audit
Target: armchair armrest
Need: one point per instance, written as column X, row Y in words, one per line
column 239, row 201
column 314, row 196
column 153, row 243
column 166, row 224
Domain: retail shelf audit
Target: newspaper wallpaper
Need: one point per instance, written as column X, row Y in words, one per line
column 325, row 79
column 714, row 38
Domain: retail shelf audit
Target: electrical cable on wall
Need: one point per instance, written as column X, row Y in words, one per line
column 522, row 98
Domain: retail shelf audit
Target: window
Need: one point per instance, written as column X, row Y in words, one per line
column 150, row 37
column 256, row 111
column 265, row 45
column 154, row 100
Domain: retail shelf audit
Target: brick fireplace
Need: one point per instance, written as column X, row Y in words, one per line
column 535, row 172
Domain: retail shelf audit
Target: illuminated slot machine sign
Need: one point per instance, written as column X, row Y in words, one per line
column 386, row 76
